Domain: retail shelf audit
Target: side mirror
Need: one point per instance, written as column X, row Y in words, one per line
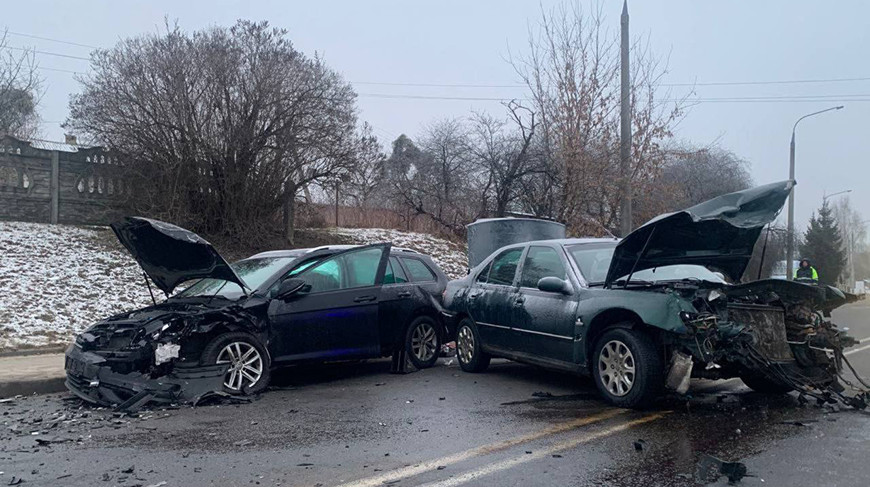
column 554, row 285
column 289, row 287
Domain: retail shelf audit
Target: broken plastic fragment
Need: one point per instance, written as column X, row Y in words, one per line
column 166, row 352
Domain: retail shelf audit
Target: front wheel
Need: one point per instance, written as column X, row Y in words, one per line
column 469, row 350
column 248, row 371
column 423, row 342
column 627, row 368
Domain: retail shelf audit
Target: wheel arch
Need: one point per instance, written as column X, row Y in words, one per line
column 613, row 318
column 206, row 332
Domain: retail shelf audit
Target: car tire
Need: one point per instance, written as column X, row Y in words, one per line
column 469, row 352
column 225, row 348
column 759, row 383
column 627, row 368
column 423, row 342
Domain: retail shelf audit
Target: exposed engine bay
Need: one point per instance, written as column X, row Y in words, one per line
column 776, row 335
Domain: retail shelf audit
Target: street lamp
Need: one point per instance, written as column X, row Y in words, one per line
column 826, row 196
column 790, row 244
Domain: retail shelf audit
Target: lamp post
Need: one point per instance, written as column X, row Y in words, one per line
column 826, row 196
column 790, row 244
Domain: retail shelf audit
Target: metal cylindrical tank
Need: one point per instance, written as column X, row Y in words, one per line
column 487, row 235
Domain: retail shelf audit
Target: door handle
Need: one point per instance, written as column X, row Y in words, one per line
column 519, row 301
column 363, row 299
column 473, row 296
column 405, row 294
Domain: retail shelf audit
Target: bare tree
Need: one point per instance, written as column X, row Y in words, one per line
column 221, row 127
column 572, row 72
column 505, row 156
column 438, row 181
column 691, row 175
column 20, row 90
column 366, row 186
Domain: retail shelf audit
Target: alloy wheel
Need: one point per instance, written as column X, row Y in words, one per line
column 246, row 365
column 616, row 368
column 424, row 342
column 465, row 344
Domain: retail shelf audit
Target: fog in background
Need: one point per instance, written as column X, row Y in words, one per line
column 469, row 43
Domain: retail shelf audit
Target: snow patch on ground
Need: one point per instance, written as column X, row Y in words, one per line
column 449, row 256
column 56, row 280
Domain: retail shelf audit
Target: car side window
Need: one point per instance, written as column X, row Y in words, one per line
column 293, row 272
column 345, row 271
column 504, row 267
column 418, row 270
column 394, row 273
column 484, row 274
column 541, row 262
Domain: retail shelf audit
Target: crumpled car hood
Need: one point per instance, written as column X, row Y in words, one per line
column 171, row 255
column 719, row 233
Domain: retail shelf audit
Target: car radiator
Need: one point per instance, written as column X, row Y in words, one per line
column 767, row 323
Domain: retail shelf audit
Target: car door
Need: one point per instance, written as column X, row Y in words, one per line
column 336, row 315
column 397, row 295
column 543, row 322
column 489, row 299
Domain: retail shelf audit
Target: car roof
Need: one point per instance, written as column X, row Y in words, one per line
column 566, row 241
column 324, row 248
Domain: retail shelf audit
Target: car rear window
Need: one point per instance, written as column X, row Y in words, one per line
column 394, row 273
column 418, row 270
column 504, row 267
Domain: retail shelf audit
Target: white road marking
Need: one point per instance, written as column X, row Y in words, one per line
column 426, row 466
column 537, row 455
column 859, row 349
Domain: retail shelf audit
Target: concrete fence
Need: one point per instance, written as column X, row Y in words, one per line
column 51, row 182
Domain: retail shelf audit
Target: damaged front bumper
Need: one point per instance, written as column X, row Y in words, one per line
column 89, row 377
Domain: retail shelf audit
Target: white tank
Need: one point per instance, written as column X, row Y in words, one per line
column 487, row 235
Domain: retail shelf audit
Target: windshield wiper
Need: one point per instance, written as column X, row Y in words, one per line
column 626, row 282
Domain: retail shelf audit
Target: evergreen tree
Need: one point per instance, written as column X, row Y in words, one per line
column 823, row 245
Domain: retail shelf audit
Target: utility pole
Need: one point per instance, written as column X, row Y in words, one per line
column 625, row 224
column 337, row 182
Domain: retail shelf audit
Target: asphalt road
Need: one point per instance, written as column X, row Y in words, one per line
column 356, row 425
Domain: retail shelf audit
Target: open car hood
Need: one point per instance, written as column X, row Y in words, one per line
column 719, row 233
column 171, row 255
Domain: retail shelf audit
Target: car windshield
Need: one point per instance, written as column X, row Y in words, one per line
column 594, row 262
column 254, row 272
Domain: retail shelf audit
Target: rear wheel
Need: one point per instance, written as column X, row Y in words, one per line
column 759, row 383
column 627, row 368
column 469, row 351
column 423, row 342
column 248, row 371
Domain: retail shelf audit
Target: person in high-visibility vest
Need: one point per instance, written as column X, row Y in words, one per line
column 805, row 271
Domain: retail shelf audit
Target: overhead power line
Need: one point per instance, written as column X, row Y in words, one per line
column 52, row 40
column 47, row 53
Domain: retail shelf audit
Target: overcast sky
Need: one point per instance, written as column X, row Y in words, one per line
column 467, row 42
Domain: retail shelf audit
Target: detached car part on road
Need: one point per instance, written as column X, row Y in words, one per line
column 227, row 331
column 655, row 309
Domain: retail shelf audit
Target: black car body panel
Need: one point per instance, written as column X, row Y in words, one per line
column 171, row 255
column 153, row 354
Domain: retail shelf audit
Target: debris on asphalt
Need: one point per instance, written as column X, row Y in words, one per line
column 710, row 468
column 639, row 444
column 243, row 443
